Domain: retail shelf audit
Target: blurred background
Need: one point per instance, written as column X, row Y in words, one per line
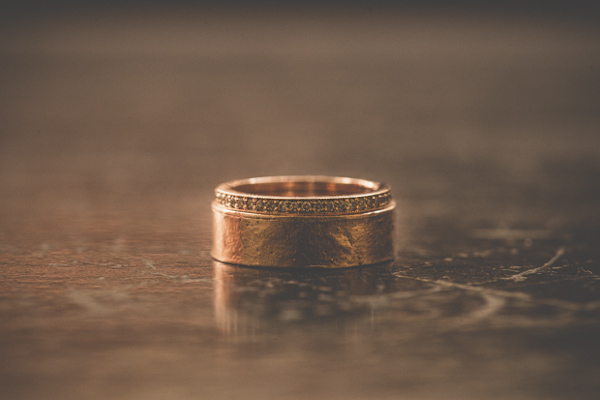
column 144, row 99
column 149, row 96
column 118, row 118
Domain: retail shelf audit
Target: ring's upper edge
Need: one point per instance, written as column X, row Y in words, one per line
column 375, row 188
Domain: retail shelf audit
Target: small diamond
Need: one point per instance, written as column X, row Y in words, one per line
column 330, row 206
column 258, row 206
column 276, row 205
column 284, row 206
column 360, row 204
column 294, row 206
column 305, row 206
column 321, row 206
column 268, row 206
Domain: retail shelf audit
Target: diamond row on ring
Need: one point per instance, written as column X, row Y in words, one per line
column 305, row 206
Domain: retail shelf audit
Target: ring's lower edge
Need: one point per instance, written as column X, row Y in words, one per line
column 336, row 241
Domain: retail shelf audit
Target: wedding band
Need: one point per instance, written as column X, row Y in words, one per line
column 303, row 221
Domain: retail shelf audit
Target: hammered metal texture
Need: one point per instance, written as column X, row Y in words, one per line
column 307, row 241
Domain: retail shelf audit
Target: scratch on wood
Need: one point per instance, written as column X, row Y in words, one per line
column 523, row 275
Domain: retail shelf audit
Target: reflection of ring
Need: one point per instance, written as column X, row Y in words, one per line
column 303, row 221
column 250, row 301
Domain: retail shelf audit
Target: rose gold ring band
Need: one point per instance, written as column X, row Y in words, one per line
column 303, row 221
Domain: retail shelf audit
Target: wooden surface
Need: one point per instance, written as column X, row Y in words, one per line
column 116, row 127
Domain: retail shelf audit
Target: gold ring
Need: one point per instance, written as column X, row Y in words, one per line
column 303, row 221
